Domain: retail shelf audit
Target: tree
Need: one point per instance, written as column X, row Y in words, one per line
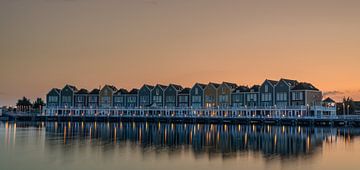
column 38, row 104
column 24, row 104
column 347, row 106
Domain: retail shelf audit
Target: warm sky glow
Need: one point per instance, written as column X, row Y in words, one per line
column 48, row 43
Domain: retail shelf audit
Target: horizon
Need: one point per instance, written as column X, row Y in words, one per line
column 47, row 44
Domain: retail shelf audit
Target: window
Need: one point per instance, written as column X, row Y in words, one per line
column 144, row 99
column 93, row 99
column 196, row 91
column 184, row 99
column 157, row 91
column 131, row 99
column 53, row 99
column 119, row 99
column 266, row 97
column 282, row 96
column 266, row 88
column 105, row 99
column 251, row 97
column 157, row 99
column 66, row 99
column 209, row 99
column 170, row 98
column 223, row 98
column 297, row 96
column 80, row 99
column 196, row 99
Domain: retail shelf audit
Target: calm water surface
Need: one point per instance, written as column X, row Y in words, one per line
column 160, row 146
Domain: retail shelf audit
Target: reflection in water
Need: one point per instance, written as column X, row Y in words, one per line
column 227, row 140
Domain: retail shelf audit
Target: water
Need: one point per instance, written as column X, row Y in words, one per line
column 159, row 146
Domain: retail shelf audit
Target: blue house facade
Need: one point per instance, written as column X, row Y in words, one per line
column 119, row 100
column 81, row 98
column 171, row 95
column 238, row 96
column 184, row 98
column 53, row 98
column 67, row 96
column 197, row 95
column 145, row 99
column 267, row 93
column 93, row 98
column 283, row 92
column 132, row 98
column 158, row 95
column 252, row 98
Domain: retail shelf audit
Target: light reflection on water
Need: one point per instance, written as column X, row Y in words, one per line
column 131, row 145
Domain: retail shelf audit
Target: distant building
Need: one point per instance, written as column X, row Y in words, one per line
column 197, row 99
column 67, row 96
column 171, row 95
column 283, row 90
column 145, row 99
column 184, row 98
column 106, row 96
column 329, row 102
column 267, row 93
column 224, row 94
column 238, row 96
column 132, row 99
column 305, row 94
column 119, row 98
column 53, row 98
column 93, row 98
column 252, row 98
column 81, row 98
column 158, row 95
column 211, row 95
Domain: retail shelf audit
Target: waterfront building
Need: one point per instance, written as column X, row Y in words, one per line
column 224, row 94
column 253, row 96
column 238, row 96
column 211, row 94
column 119, row 98
column 267, row 93
column 197, row 95
column 305, row 94
column 132, row 98
column 184, row 98
column 158, row 95
column 67, row 96
column 106, row 96
column 329, row 102
column 145, row 99
column 171, row 95
column 53, row 98
column 282, row 92
column 81, row 98
column 93, row 98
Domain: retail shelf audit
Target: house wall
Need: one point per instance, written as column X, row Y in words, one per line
column 267, row 89
column 106, row 97
column 144, row 97
column 224, row 96
column 282, row 89
column 119, row 100
column 132, row 100
column 210, row 95
column 171, row 97
column 95, row 103
column 157, row 95
column 197, row 92
column 55, row 94
column 313, row 98
column 183, row 103
column 81, row 100
column 238, row 99
column 252, row 99
column 67, row 97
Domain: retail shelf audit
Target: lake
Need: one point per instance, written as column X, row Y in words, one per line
column 163, row 146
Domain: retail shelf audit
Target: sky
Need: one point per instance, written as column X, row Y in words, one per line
column 89, row 43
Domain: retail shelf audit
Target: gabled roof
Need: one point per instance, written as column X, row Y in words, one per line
column 56, row 90
column 134, row 91
column 150, row 87
column 272, row 82
column 216, row 85
column 255, row 88
column 304, row 86
column 163, row 87
column 113, row 88
column 73, row 88
column 201, row 85
column 82, row 91
column 329, row 100
column 177, row 87
column 121, row 91
column 95, row 91
column 290, row 83
column 231, row 85
column 185, row 91
column 240, row 89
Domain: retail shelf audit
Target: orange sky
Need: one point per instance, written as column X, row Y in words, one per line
column 48, row 43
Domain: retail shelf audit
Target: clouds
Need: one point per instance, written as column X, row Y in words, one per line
column 334, row 92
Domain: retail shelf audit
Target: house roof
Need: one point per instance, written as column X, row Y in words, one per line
column 121, row 91
column 134, row 91
column 304, row 86
column 201, row 85
column 177, row 87
column 185, row 91
column 242, row 89
column 231, row 85
column 216, row 85
column 148, row 86
column 113, row 88
column 82, row 91
column 56, row 90
column 329, row 100
column 290, row 82
column 95, row 91
column 255, row 88
column 163, row 87
column 272, row 82
column 73, row 88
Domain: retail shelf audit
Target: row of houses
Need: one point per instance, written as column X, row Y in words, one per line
column 280, row 93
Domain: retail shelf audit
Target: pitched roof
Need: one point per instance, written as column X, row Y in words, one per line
column 231, row 85
column 56, row 90
column 216, row 85
column 329, row 100
column 95, row 91
column 290, row 82
column 73, row 88
column 255, row 88
column 163, row 87
column 185, row 91
column 177, row 87
column 82, row 91
column 113, row 88
column 134, row 91
column 148, row 86
column 121, row 91
column 201, row 85
column 304, row 86
column 240, row 89
column 272, row 82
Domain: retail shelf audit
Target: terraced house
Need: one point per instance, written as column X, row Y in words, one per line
column 67, row 96
column 171, row 95
column 253, row 96
column 184, row 98
column 238, row 96
column 158, row 95
column 106, row 96
column 93, row 98
column 53, row 98
column 224, row 94
column 120, row 98
column 305, row 94
column 267, row 93
column 211, row 95
column 283, row 90
column 81, row 98
column 197, row 95
column 132, row 98
column 145, row 99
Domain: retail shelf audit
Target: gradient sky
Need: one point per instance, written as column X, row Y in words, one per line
column 88, row 43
